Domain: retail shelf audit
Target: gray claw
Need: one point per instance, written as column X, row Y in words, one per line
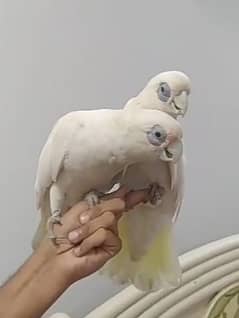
column 156, row 192
column 93, row 198
column 54, row 219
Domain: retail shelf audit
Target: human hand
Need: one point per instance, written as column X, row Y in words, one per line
column 51, row 269
column 92, row 235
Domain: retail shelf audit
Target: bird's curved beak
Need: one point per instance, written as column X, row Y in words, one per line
column 172, row 152
column 180, row 103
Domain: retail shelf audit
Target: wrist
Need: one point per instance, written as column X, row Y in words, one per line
column 28, row 270
column 62, row 260
column 45, row 286
column 56, row 270
column 45, row 251
column 48, row 255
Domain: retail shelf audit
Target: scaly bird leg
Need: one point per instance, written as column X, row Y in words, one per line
column 93, row 198
column 156, row 192
column 57, row 198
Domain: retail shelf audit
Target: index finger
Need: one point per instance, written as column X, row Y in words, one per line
column 117, row 205
column 130, row 199
column 123, row 200
column 133, row 198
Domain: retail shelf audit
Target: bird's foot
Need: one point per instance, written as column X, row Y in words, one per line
column 93, row 198
column 156, row 193
column 55, row 218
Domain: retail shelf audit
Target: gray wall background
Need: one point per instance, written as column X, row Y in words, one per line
column 56, row 56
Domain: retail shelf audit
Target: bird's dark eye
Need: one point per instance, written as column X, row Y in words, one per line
column 164, row 92
column 157, row 135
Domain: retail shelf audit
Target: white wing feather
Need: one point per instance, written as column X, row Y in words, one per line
column 52, row 156
column 50, row 165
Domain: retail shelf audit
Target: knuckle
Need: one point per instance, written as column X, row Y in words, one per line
column 95, row 210
column 119, row 203
column 84, row 245
column 79, row 207
column 116, row 247
column 87, row 214
column 110, row 217
column 116, row 204
column 102, row 233
column 83, row 231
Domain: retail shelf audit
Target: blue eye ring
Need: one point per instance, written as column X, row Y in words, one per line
column 164, row 92
column 157, row 135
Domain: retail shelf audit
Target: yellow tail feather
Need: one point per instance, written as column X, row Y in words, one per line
column 157, row 268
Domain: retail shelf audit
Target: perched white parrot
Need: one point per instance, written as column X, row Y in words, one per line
column 86, row 150
column 167, row 91
column 148, row 258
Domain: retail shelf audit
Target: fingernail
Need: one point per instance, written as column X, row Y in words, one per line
column 84, row 218
column 73, row 236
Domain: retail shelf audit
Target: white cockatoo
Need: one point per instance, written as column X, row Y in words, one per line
column 87, row 150
column 148, row 258
column 167, row 91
